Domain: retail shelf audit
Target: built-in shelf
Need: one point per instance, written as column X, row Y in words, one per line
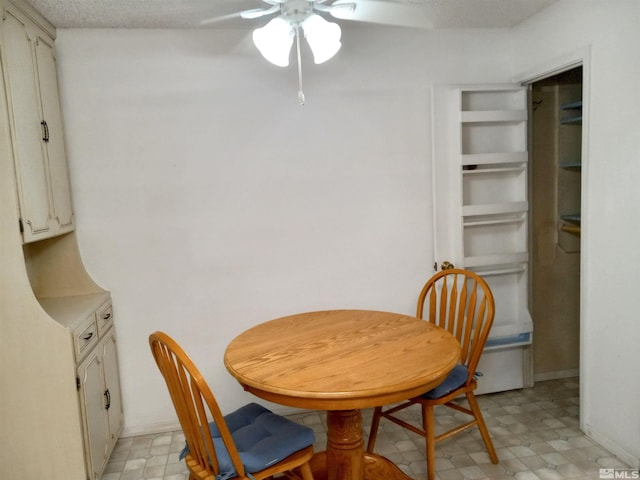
column 494, row 116
column 73, row 309
column 493, row 220
column 504, row 168
column 572, row 105
column 573, row 119
column 573, row 217
column 495, row 209
column 496, row 260
column 507, row 269
column 571, row 165
column 476, row 159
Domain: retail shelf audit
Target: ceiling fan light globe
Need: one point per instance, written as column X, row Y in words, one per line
column 274, row 41
column 323, row 37
column 325, row 52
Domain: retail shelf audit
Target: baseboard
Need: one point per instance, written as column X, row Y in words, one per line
column 151, row 429
column 541, row 377
column 617, row 450
column 164, row 427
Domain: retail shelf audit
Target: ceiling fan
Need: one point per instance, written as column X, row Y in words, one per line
column 401, row 13
column 298, row 7
column 293, row 17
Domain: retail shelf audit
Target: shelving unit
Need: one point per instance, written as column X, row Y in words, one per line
column 494, row 162
column 569, row 173
column 482, row 211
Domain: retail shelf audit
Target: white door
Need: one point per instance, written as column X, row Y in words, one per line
column 480, row 163
column 92, row 405
column 24, row 106
column 56, row 150
column 112, row 384
column 36, row 119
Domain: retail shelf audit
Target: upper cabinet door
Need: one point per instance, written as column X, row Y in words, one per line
column 480, row 194
column 36, row 127
column 56, row 152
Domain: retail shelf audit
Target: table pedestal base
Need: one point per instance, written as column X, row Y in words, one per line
column 375, row 468
column 345, row 458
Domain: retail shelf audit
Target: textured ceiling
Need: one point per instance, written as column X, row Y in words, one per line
column 191, row 13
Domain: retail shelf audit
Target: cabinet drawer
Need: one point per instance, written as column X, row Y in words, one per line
column 104, row 317
column 85, row 337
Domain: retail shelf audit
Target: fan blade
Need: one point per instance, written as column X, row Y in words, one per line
column 260, row 12
column 221, row 18
column 383, row 12
column 347, row 8
column 248, row 14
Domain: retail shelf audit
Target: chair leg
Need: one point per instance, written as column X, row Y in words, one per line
column 477, row 413
column 428, row 422
column 305, row 472
column 373, row 433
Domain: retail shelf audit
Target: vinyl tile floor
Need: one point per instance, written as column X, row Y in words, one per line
column 535, row 432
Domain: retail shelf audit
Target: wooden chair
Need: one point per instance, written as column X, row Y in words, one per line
column 461, row 302
column 250, row 443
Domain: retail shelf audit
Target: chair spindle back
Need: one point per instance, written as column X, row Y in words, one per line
column 461, row 302
column 194, row 404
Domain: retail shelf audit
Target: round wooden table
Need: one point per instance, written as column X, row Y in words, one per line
column 341, row 361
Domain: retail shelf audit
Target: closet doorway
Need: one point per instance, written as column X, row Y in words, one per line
column 555, row 207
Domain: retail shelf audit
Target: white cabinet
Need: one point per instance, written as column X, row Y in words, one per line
column 55, row 320
column 100, row 402
column 35, row 118
column 481, row 212
column 89, row 318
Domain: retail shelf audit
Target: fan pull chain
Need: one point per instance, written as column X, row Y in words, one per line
column 300, row 92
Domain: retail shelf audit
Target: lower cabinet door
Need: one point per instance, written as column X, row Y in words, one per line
column 100, row 403
column 92, row 405
column 114, row 411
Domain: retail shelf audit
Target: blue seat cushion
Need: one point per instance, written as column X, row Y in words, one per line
column 261, row 437
column 455, row 379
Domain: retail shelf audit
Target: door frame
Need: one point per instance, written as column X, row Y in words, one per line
column 577, row 58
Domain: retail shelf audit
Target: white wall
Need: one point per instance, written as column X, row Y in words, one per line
column 609, row 32
column 208, row 201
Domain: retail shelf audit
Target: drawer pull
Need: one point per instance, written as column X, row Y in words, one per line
column 107, row 394
column 88, row 336
column 106, row 316
column 45, row 131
